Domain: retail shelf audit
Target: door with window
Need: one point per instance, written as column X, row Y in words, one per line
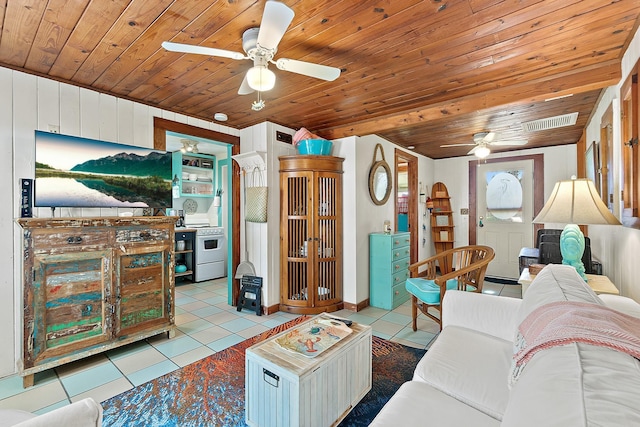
column 504, row 195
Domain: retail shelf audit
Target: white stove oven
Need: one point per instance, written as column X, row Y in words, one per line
column 210, row 253
column 210, row 250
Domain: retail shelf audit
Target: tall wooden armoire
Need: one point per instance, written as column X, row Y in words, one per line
column 310, row 234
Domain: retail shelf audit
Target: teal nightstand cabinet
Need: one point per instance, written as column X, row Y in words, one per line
column 389, row 259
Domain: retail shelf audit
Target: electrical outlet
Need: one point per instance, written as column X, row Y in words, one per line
column 464, row 211
column 54, row 128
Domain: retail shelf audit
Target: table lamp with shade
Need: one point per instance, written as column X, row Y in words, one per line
column 575, row 201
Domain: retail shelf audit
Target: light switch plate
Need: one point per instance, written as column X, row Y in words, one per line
column 464, row 211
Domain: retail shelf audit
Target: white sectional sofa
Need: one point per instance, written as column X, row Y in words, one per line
column 464, row 378
column 83, row 413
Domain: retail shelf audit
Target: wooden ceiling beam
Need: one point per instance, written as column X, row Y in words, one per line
column 591, row 78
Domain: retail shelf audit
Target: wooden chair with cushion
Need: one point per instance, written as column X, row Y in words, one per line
column 460, row 268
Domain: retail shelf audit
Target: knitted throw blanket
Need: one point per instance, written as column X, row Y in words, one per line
column 564, row 322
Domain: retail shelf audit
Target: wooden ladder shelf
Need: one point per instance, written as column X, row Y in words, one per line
column 441, row 218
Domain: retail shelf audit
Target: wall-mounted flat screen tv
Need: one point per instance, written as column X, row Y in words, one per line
column 81, row 172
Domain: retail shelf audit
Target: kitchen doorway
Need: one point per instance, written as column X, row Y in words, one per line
column 161, row 127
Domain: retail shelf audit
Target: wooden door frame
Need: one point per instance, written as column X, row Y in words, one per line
column 160, row 128
column 538, row 190
column 412, row 181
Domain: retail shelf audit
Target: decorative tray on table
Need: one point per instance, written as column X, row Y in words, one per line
column 311, row 339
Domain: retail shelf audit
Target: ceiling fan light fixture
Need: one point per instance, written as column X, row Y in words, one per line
column 188, row 146
column 261, row 78
column 482, row 151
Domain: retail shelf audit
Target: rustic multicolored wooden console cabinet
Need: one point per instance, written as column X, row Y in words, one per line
column 93, row 284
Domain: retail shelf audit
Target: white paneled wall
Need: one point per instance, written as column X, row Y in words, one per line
column 617, row 247
column 9, row 248
column 368, row 217
column 30, row 103
column 346, row 148
column 263, row 239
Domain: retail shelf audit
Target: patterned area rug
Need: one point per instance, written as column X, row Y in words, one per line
column 210, row 392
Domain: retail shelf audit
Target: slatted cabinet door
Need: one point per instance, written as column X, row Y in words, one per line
column 143, row 295
column 66, row 307
column 296, row 239
column 311, row 234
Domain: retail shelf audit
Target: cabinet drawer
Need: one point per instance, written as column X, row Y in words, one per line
column 401, row 241
column 46, row 240
column 399, row 278
column 400, row 265
column 400, row 253
column 399, row 296
column 142, row 234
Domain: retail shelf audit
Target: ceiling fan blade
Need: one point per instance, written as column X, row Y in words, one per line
column 506, row 142
column 318, row 71
column 489, row 137
column 201, row 50
column 454, row 145
column 275, row 20
column 473, row 150
column 245, row 89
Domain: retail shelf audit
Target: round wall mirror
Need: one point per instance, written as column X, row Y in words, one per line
column 379, row 179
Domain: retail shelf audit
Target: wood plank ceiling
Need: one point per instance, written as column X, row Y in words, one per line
column 416, row 72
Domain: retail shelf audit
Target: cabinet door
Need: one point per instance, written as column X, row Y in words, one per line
column 67, row 304
column 312, row 239
column 327, row 235
column 143, row 296
column 296, row 234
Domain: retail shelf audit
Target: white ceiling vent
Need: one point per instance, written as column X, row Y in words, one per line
column 550, row 122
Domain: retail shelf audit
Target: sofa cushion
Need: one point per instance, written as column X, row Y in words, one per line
column 487, row 313
column 576, row 385
column 83, row 413
column 11, row 417
column 416, row 403
column 469, row 366
column 556, row 283
column 622, row 304
column 427, row 290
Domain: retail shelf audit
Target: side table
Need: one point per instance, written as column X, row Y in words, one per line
column 599, row 283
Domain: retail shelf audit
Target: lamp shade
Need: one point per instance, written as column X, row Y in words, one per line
column 261, row 78
column 576, row 201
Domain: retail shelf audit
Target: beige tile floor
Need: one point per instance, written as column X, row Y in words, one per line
column 206, row 324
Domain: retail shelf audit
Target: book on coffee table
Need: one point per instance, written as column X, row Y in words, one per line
column 311, row 339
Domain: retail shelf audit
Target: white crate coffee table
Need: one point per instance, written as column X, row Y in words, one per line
column 283, row 388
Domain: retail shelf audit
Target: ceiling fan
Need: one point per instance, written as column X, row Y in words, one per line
column 483, row 140
column 260, row 46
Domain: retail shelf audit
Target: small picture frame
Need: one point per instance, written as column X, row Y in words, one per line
column 444, row 235
column 442, row 220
